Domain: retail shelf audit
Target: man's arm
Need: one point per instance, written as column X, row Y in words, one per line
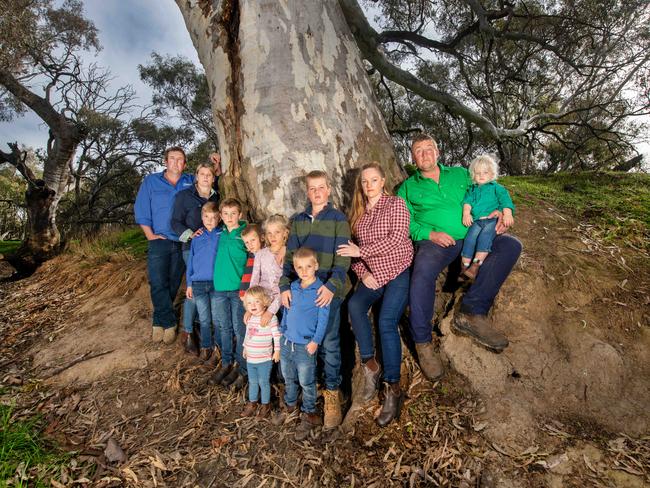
column 143, row 214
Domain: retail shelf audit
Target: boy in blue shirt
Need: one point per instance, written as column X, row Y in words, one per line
column 303, row 328
column 481, row 200
column 200, row 285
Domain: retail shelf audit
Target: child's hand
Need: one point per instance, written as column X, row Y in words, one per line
column 276, row 357
column 467, row 220
column 266, row 318
column 244, row 353
column 188, row 293
column 312, row 347
column 508, row 220
column 247, row 317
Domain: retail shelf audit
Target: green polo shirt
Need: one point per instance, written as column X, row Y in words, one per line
column 436, row 206
column 485, row 199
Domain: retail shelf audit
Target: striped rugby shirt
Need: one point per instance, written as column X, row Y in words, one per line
column 261, row 342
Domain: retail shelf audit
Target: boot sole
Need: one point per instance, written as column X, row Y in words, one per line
column 479, row 340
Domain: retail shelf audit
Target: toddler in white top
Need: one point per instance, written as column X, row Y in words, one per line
column 261, row 349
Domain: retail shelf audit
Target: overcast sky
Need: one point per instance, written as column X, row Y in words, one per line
column 129, row 32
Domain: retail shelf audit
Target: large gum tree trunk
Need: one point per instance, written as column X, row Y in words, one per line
column 290, row 94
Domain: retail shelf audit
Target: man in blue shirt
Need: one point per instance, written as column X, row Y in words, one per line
column 165, row 266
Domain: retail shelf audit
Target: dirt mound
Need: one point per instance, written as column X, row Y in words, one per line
column 564, row 405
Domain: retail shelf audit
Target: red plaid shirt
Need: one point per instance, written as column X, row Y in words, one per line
column 384, row 240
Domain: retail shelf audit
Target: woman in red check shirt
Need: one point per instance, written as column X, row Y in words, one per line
column 382, row 254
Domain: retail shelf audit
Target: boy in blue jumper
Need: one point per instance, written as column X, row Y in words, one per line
column 303, row 328
column 200, row 286
column 480, row 202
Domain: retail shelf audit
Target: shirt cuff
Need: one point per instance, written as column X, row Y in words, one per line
column 186, row 235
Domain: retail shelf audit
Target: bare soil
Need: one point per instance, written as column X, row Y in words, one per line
column 564, row 405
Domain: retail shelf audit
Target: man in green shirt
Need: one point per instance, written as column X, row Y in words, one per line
column 434, row 196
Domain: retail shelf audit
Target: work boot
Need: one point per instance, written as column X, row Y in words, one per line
column 220, row 375
column 189, row 346
column 213, row 361
column 240, row 382
column 284, row 414
column 479, row 328
column 429, row 359
column 169, row 335
column 205, row 354
column 370, row 379
column 249, row 409
column 157, row 333
column 392, row 406
column 333, row 416
column 231, row 377
column 264, row 411
column 472, row 271
column 307, row 422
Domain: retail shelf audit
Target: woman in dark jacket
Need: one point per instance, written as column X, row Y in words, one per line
column 186, row 220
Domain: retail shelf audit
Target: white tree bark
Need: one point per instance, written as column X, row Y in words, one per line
column 290, row 94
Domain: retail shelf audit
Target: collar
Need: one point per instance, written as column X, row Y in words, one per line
column 381, row 203
column 196, row 191
column 325, row 208
column 418, row 173
column 314, row 286
column 493, row 182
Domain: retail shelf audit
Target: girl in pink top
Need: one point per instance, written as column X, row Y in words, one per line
column 267, row 269
column 261, row 349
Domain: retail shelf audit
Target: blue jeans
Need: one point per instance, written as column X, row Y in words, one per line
column 259, row 381
column 329, row 352
column 206, row 306
column 230, row 317
column 189, row 307
column 431, row 259
column 165, row 268
column 479, row 237
column 299, row 370
column 394, row 297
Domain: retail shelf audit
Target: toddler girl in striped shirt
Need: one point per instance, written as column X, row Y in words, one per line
column 261, row 349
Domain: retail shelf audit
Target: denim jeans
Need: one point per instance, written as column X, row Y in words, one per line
column 431, row 259
column 165, row 268
column 230, row 317
column 479, row 237
column 189, row 307
column 299, row 370
column 394, row 297
column 329, row 352
column 259, row 381
column 206, row 306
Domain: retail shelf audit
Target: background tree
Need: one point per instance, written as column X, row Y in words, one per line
column 40, row 54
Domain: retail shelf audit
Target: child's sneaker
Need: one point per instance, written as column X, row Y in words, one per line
column 157, row 333
column 307, row 422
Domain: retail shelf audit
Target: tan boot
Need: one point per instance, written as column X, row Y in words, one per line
column 332, row 409
column 429, row 359
column 157, row 333
column 169, row 335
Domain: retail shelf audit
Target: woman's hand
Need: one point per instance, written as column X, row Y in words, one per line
column 370, row 281
column 266, row 318
column 349, row 250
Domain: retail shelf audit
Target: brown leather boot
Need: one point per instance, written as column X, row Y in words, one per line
column 213, row 361
column 370, row 380
column 205, row 354
column 307, row 422
column 392, row 406
column 429, row 359
column 220, row 374
column 264, row 411
column 479, row 328
column 188, row 343
column 249, row 409
column 473, row 270
column 333, row 415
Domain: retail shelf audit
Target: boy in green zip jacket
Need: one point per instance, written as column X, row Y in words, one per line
column 229, row 267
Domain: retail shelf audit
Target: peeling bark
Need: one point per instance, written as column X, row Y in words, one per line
column 290, row 94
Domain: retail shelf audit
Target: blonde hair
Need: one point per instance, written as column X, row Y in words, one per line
column 305, row 252
column 317, row 174
column 204, row 165
column 260, row 293
column 484, row 161
column 250, row 228
column 277, row 219
column 210, row 207
column 359, row 200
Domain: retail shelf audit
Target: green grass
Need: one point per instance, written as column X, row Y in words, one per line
column 9, row 247
column 22, row 446
column 130, row 242
column 618, row 204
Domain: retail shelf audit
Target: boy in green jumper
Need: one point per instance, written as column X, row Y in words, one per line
column 228, row 269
